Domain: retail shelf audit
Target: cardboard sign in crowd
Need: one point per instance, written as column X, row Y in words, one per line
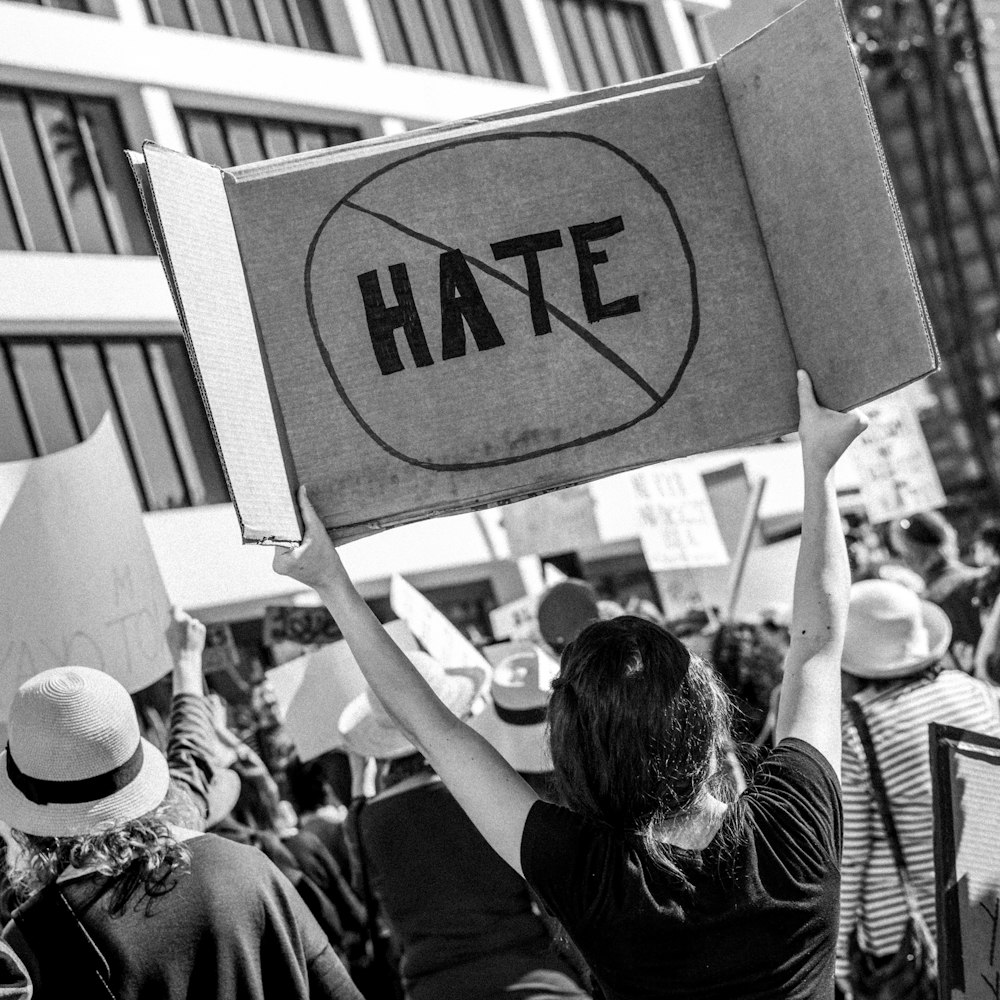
column 80, row 584
column 965, row 771
column 480, row 312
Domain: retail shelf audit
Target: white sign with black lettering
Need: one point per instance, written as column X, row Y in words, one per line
column 677, row 524
column 895, row 468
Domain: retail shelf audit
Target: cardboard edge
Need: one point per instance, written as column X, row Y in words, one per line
column 440, row 130
column 137, row 164
column 279, row 418
column 248, row 533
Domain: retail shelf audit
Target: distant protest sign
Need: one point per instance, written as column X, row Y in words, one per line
column 436, row 634
column 80, row 584
column 563, row 521
column 896, row 472
column 313, row 690
column 677, row 524
column 481, row 312
column 965, row 770
column 516, row 620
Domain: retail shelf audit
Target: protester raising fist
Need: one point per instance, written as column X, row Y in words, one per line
column 664, row 876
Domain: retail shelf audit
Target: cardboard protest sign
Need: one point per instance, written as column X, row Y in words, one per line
column 436, row 634
column 677, row 524
column 469, row 314
column 303, row 625
column 80, row 584
column 314, row 689
column 896, row 472
column 516, row 620
column 965, row 773
column 563, row 521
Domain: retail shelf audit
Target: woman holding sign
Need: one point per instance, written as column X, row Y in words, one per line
column 668, row 883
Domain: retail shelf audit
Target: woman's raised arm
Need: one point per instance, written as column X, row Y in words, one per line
column 491, row 792
column 810, row 692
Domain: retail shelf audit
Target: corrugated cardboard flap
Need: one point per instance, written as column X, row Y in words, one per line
column 190, row 218
column 827, row 211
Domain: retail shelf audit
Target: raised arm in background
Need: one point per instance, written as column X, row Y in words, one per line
column 190, row 737
column 494, row 796
column 810, row 692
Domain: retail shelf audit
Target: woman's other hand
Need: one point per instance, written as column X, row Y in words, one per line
column 314, row 561
column 826, row 434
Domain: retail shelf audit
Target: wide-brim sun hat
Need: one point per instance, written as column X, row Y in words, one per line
column 891, row 632
column 366, row 728
column 513, row 718
column 75, row 762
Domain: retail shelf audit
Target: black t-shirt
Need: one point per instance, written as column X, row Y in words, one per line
column 760, row 920
column 231, row 928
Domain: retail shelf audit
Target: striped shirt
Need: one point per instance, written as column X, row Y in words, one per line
column 871, row 898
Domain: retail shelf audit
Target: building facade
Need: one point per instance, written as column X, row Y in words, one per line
column 87, row 325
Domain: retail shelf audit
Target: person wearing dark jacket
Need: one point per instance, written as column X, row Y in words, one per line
column 116, row 897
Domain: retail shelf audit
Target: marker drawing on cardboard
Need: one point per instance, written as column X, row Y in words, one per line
column 481, row 312
column 80, row 581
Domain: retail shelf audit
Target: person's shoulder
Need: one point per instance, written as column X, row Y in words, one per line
column 554, row 836
column 793, row 756
column 794, row 803
column 223, row 858
column 795, row 777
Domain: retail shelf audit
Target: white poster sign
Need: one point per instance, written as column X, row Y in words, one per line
column 678, row 528
column 516, row 620
column 80, row 584
column 313, row 690
column 562, row 521
column 436, row 634
column 895, row 467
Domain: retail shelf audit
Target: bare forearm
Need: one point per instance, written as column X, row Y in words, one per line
column 822, row 575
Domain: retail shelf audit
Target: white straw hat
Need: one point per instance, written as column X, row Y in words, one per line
column 891, row 632
column 74, row 761
column 369, row 730
column 513, row 720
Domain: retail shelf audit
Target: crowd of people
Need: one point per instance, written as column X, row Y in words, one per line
column 607, row 814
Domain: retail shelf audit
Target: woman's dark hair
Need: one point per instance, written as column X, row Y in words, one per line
column 640, row 730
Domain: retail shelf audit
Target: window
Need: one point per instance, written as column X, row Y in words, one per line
column 697, row 36
column 603, row 42
column 306, row 24
column 230, row 140
column 64, row 182
column 55, row 390
column 461, row 36
column 105, row 7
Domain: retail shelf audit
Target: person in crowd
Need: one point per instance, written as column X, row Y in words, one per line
column 320, row 810
column 928, row 545
column 462, row 919
column 668, row 886
column 117, row 899
column 986, row 545
column 750, row 664
column 261, row 819
column 898, row 674
column 986, row 554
